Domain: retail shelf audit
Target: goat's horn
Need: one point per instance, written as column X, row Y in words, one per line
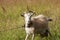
column 27, row 8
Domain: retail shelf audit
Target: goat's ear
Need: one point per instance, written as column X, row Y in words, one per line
column 32, row 13
column 22, row 14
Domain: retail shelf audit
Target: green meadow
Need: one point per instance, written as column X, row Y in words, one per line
column 11, row 22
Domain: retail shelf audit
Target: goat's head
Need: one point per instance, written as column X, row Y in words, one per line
column 27, row 16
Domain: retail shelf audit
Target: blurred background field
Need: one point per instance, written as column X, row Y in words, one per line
column 10, row 18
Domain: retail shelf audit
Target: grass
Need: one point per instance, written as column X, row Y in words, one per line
column 10, row 18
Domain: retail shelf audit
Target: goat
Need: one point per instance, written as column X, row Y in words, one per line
column 36, row 25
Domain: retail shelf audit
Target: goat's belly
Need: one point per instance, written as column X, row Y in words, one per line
column 29, row 30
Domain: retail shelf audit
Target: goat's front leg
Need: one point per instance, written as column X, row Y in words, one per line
column 33, row 36
column 27, row 36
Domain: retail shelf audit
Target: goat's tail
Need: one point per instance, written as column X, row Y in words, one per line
column 49, row 19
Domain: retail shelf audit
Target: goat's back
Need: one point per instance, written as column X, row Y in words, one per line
column 40, row 24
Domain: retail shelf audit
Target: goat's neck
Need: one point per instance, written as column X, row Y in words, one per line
column 27, row 22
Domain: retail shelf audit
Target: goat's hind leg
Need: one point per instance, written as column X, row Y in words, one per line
column 50, row 34
column 27, row 36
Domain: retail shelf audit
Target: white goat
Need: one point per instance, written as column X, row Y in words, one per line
column 34, row 25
